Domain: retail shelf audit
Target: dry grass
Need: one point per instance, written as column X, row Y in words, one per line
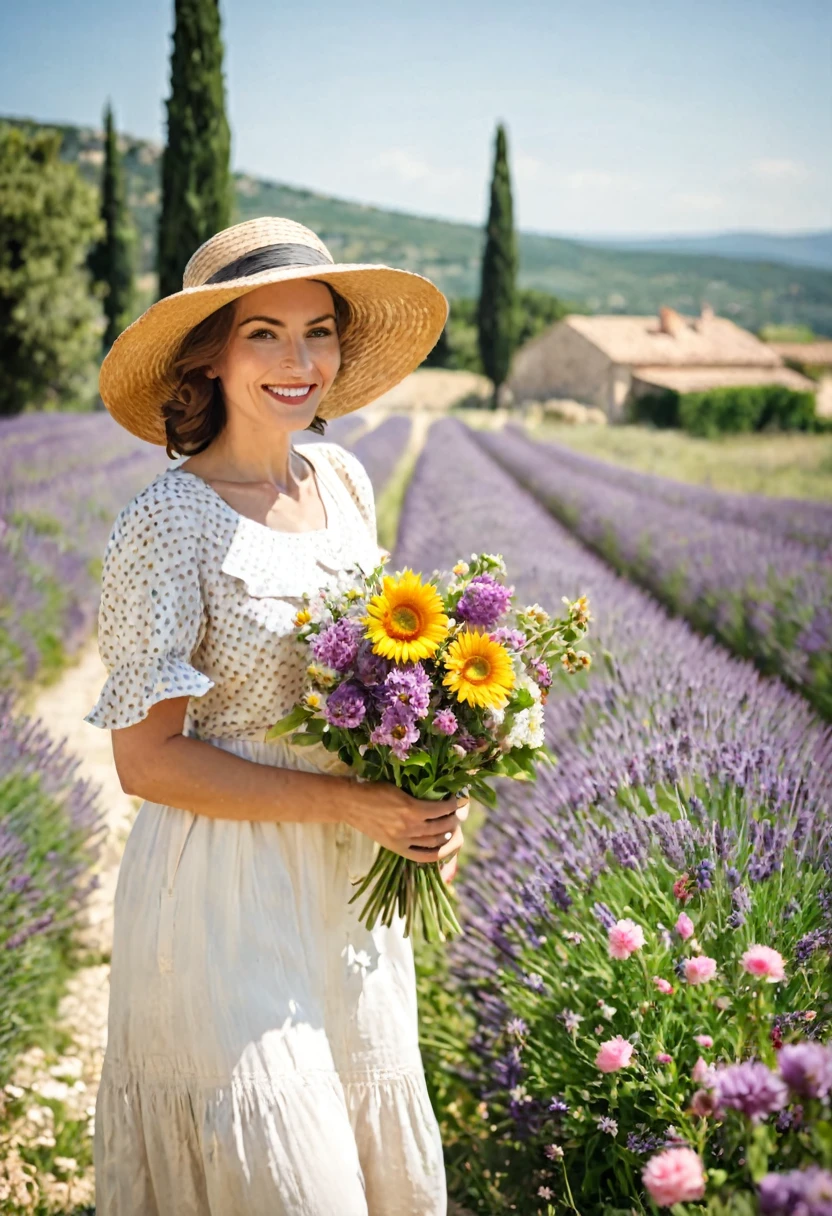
column 795, row 466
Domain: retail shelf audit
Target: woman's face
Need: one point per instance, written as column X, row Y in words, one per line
column 283, row 337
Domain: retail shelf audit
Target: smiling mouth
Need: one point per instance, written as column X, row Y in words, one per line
column 296, row 395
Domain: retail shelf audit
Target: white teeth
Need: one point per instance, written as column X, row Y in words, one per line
column 289, row 392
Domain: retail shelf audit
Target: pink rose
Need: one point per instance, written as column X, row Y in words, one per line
column 663, row 985
column 765, row 963
column 663, row 1058
column 674, row 1176
column 684, row 926
column 704, row 1040
column 700, row 969
column 625, row 937
column 614, row 1054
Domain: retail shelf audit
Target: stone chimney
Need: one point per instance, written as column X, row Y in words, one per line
column 670, row 322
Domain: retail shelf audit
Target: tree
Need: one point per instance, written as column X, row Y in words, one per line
column 112, row 260
column 496, row 311
column 49, row 336
column 196, row 177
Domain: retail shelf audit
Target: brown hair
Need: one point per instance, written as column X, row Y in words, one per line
column 195, row 414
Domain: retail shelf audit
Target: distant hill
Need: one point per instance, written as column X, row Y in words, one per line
column 604, row 279
column 803, row 249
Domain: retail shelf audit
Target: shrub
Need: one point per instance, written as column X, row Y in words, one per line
column 746, row 408
column 657, row 409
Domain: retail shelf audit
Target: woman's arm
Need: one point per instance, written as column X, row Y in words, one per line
column 155, row 761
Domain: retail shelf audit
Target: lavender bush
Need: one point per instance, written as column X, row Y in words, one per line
column 669, row 714
column 765, row 594
column 50, row 835
column 380, row 449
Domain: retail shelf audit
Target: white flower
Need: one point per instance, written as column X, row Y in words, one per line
column 527, row 728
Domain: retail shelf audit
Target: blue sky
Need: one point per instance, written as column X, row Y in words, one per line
column 623, row 116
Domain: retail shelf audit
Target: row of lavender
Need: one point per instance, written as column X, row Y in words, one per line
column 687, row 783
column 63, row 478
column 756, row 573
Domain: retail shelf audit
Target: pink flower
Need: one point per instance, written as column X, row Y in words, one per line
column 765, row 963
column 663, row 985
column 625, row 937
column 704, row 1040
column 703, row 1073
column 674, row 1176
column 684, row 926
column 700, row 969
column 663, row 1058
column 614, row 1054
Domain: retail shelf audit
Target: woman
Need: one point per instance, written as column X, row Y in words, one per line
column 262, row 1051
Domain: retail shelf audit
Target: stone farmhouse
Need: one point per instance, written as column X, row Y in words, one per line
column 818, row 357
column 606, row 361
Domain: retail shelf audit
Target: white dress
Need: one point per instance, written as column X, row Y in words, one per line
column 262, row 1054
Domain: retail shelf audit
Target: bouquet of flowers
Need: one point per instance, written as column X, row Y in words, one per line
column 435, row 690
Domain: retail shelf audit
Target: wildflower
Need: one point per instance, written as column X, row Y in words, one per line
column 346, row 706
column 516, row 1027
column 643, row 1142
column 557, row 1106
column 607, row 1125
column 321, row 675
column 554, row 1152
column 682, row 888
column 479, row 670
column 807, row 1069
column 704, row 1040
column 396, row 730
column 484, row 601
column 700, row 969
column 806, row 1191
column 703, row 1073
column 607, row 1011
column 313, row 700
column 534, row 981
column 410, row 686
column 445, row 721
column 704, row 874
column 302, row 617
column 461, row 568
column 663, row 986
column 765, row 963
column 614, row 1054
column 406, row 621
column 570, row 1020
column 574, row 938
column 675, row 1176
column 703, row 1104
column 545, row 1192
column 684, row 926
column 337, row 645
column 750, row 1087
column 604, row 915
column 663, row 1058
column 625, row 937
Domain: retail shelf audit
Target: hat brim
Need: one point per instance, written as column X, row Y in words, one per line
column 396, row 319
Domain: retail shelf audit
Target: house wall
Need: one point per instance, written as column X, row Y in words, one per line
column 563, row 363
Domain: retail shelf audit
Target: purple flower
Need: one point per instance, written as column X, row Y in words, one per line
column 337, row 645
column 371, row 668
column 466, row 741
column 484, row 601
column 807, row 1069
column 798, row 1193
column 346, row 706
column 750, row 1087
column 541, row 672
column 397, row 730
column 445, row 721
column 557, row 1106
column 512, row 639
column 409, row 686
column 516, row 1027
column 605, row 1124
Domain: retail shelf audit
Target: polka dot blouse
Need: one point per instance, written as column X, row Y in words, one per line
column 198, row 600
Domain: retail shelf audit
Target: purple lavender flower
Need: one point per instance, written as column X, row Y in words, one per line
column 807, row 1069
column 797, row 1193
column 512, row 639
column 337, row 645
column 604, row 915
column 750, row 1087
column 445, row 721
column 605, row 1124
column 346, row 706
column 409, row 686
column 557, row 1106
column 805, row 948
column 484, row 601
column 516, row 1027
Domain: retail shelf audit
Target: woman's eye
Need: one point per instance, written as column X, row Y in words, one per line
column 259, row 333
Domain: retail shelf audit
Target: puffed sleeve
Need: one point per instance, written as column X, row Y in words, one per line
column 357, row 480
column 151, row 617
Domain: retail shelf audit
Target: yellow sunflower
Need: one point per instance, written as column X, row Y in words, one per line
column 480, row 670
column 406, row 621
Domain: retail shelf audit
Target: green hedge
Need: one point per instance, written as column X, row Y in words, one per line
column 731, row 411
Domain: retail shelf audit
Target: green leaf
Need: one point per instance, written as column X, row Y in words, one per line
column 290, row 721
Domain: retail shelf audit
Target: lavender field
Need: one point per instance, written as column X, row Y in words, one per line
column 755, row 572
column 667, row 723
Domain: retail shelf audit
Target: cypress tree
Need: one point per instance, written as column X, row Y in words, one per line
column 496, row 309
column 112, row 259
column 196, row 177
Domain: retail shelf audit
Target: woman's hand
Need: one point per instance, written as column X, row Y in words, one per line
column 416, row 828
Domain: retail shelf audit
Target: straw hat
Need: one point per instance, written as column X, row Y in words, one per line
column 397, row 317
